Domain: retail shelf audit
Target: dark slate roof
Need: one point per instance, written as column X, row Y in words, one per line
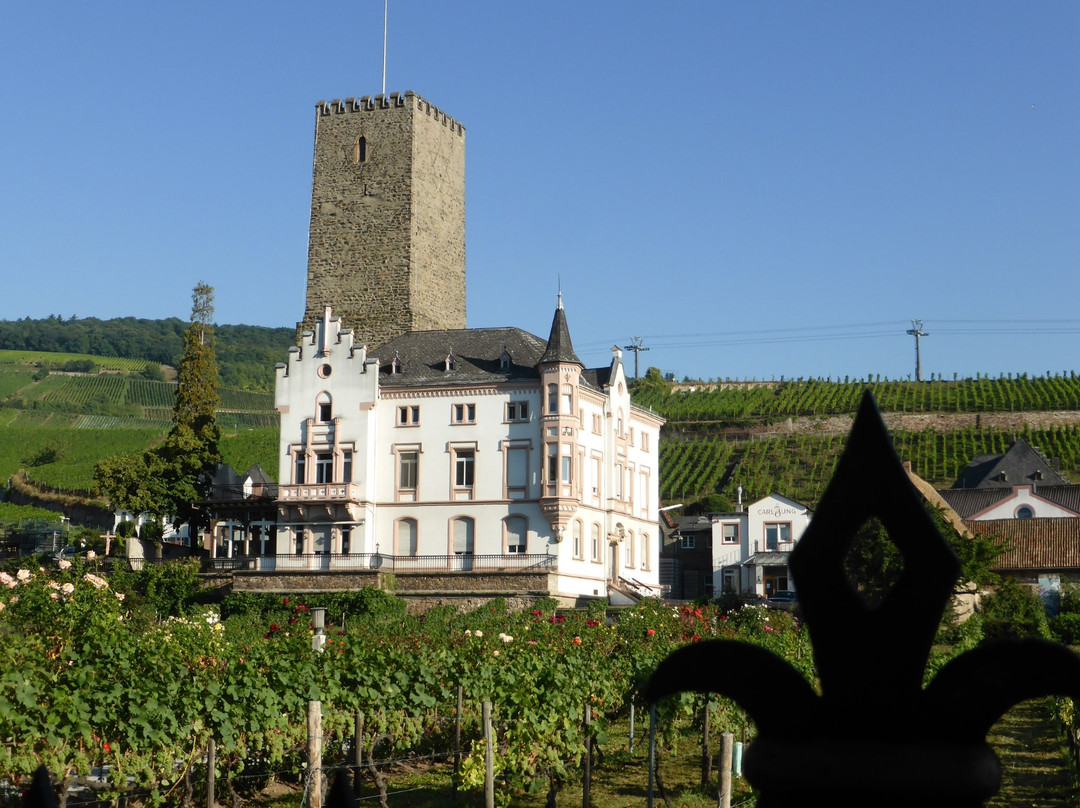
column 1021, row 465
column 969, row 501
column 559, row 347
column 1034, row 544
column 224, row 474
column 258, row 476
column 477, row 356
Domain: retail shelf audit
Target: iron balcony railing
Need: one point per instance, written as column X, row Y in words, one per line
column 365, row 562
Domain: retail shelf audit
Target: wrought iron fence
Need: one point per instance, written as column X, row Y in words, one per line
column 363, row 562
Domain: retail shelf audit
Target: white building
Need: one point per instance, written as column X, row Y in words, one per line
column 467, row 450
column 750, row 549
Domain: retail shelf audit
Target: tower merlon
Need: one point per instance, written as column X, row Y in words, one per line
column 366, row 103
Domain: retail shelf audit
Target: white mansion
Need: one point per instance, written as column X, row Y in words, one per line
column 467, row 450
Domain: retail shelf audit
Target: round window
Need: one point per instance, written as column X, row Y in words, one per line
column 325, row 370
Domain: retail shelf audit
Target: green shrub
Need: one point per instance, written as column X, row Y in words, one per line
column 1014, row 611
column 169, row 588
column 1066, row 628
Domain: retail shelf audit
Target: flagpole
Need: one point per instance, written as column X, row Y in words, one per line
column 386, row 9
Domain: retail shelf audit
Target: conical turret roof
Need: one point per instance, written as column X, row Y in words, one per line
column 559, row 346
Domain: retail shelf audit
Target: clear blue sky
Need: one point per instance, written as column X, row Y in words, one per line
column 756, row 189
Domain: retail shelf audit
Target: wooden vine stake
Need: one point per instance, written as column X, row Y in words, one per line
column 314, row 744
column 489, row 758
column 727, row 743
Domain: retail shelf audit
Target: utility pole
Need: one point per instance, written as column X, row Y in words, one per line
column 917, row 332
column 636, row 347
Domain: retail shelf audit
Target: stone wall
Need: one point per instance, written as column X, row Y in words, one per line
column 386, row 245
column 420, row 590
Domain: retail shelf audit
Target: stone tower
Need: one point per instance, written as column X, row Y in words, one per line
column 387, row 241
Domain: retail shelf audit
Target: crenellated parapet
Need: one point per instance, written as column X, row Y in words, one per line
column 367, row 103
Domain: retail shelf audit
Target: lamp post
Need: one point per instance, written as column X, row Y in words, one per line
column 318, row 622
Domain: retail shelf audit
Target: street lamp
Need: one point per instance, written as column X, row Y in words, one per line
column 318, row 622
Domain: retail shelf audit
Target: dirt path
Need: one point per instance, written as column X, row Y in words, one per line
column 1036, row 774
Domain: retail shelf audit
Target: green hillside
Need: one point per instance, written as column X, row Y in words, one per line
column 56, row 423
column 786, row 436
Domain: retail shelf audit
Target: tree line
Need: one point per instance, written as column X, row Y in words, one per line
column 246, row 353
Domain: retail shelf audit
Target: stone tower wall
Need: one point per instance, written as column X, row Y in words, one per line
column 387, row 239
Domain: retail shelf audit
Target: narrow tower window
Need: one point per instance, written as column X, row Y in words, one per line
column 360, row 150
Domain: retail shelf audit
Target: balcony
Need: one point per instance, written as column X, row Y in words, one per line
column 372, row 562
column 319, row 492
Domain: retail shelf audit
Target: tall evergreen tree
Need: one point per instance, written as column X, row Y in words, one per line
column 197, row 397
column 172, row 478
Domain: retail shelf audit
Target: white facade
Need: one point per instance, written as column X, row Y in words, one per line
column 477, row 449
column 1024, row 503
column 750, row 548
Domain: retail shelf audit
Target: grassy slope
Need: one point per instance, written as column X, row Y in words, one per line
column 57, row 427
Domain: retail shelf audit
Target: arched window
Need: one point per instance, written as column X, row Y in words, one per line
column 406, row 538
column 517, row 530
column 324, row 409
column 360, row 149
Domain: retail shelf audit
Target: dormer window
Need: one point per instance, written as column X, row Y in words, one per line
column 450, row 363
column 1002, row 477
column 1037, row 475
column 395, row 365
column 504, row 360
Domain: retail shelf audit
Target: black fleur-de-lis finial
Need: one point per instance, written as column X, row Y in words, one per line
column 873, row 736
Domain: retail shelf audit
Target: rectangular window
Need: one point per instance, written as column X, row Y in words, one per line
column 644, row 441
column 464, row 468
column 628, row 551
column 408, row 416
column 346, row 540
column 567, row 462
column 553, row 399
column 631, row 436
column 325, row 413
column 464, row 414
column 300, row 478
column 568, row 399
column 731, row 534
column 517, row 411
column 552, row 463
column 594, row 543
column 644, row 551
column 687, row 543
column 618, row 481
column 408, row 465
column 346, row 467
column 324, row 468
column 777, row 533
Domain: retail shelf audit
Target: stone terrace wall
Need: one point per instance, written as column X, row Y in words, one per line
column 420, row 590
